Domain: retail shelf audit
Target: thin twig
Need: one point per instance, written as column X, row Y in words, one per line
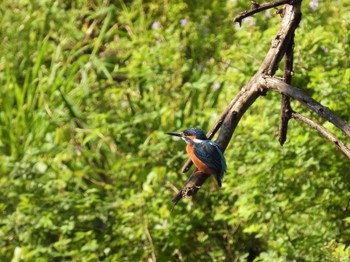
column 256, row 8
column 297, row 94
column 324, row 132
column 149, row 238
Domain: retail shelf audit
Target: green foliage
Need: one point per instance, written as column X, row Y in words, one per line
column 86, row 173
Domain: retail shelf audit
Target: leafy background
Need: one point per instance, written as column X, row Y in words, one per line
column 86, row 172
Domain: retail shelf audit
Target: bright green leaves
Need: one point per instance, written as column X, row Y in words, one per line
column 87, row 173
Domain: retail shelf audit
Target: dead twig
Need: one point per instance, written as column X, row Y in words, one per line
column 302, row 97
column 324, row 132
column 286, row 109
column 256, row 8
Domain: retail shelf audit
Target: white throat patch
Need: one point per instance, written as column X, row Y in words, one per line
column 197, row 141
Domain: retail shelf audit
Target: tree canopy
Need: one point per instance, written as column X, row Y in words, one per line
column 87, row 173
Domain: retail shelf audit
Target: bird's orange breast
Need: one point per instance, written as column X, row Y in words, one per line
column 202, row 167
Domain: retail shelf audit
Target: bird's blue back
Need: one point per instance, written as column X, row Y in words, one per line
column 209, row 153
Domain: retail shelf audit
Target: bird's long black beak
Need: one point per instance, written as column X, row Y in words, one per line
column 174, row 133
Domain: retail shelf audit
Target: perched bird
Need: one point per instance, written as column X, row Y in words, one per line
column 204, row 153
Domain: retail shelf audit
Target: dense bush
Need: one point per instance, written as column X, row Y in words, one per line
column 89, row 88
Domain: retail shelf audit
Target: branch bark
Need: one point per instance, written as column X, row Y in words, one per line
column 286, row 109
column 192, row 185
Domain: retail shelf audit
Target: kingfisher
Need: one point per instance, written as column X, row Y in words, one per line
column 204, row 153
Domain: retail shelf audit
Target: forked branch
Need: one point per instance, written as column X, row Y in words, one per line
column 307, row 101
column 262, row 82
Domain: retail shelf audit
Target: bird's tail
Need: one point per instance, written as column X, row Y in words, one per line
column 218, row 179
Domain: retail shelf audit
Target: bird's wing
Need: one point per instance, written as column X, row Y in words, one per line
column 210, row 153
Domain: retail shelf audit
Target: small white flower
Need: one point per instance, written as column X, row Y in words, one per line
column 314, row 5
column 250, row 21
column 156, row 25
column 216, row 86
column 183, row 22
column 268, row 13
column 324, row 49
column 213, row 116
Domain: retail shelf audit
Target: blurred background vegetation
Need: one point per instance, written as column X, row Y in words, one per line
column 88, row 89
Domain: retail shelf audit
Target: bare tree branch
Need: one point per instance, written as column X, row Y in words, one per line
column 261, row 83
column 248, row 94
column 307, row 101
column 324, row 132
column 252, row 90
column 255, row 87
column 256, row 8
